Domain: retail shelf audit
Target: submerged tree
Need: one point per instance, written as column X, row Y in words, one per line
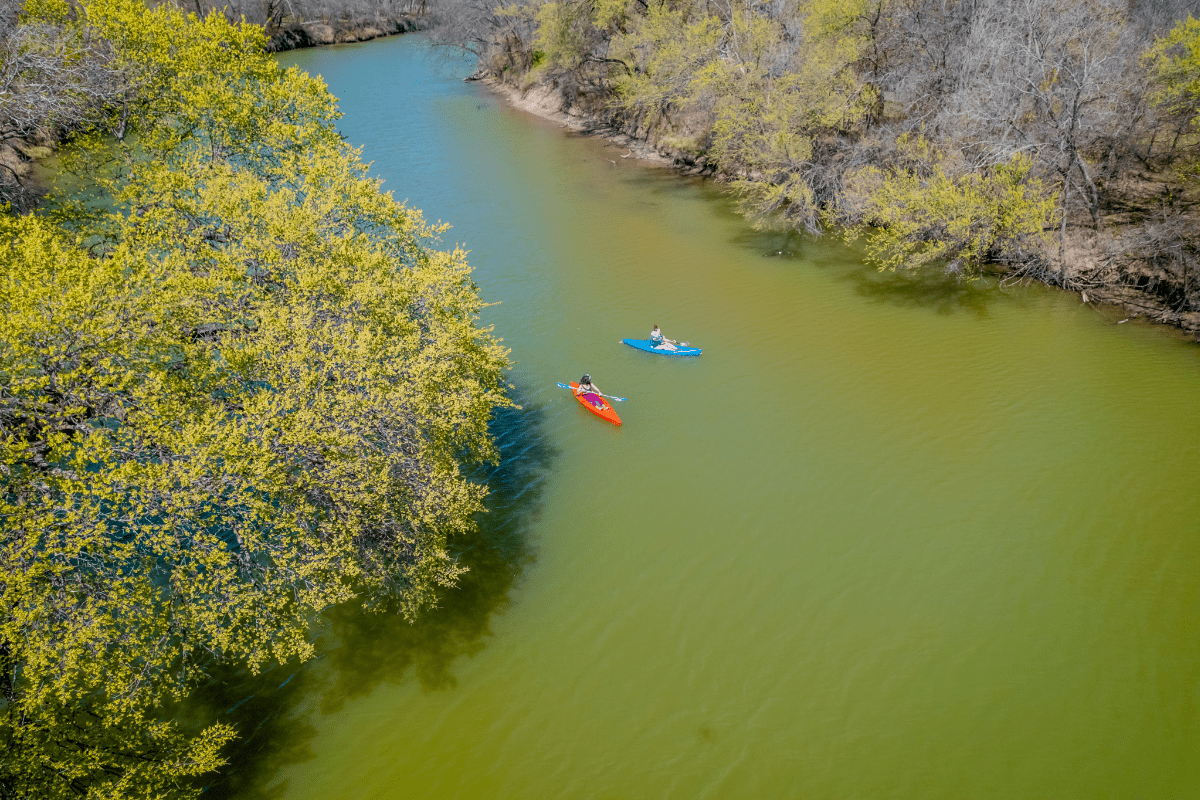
column 237, row 385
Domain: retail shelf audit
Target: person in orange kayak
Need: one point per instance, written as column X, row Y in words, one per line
column 586, row 386
column 657, row 340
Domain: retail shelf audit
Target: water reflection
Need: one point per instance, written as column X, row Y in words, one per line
column 787, row 243
column 360, row 651
column 943, row 292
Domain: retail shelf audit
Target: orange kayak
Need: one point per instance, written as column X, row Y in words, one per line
column 597, row 405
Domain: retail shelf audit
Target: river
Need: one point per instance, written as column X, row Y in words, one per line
column 889, row 537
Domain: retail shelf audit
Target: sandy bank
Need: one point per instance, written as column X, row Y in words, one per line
column 546, row 103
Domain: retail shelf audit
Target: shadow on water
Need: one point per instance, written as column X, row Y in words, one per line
column 931, row 287
column 358, row 651
column 785, row 243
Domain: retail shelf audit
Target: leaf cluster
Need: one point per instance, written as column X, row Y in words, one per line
column 928, row 215
column 1175, row 62
column 238, row 384
column 769, row 91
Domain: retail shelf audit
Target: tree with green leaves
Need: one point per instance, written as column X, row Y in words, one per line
column 927, row 212
column 238, row 384
column 1174, row 61
column 762, row 94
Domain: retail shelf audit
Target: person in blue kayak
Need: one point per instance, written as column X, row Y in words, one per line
column 660, row 342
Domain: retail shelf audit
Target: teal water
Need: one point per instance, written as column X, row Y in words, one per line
column 887, row 537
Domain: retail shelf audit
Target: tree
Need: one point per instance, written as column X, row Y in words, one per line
column 237, row 391
column 771, row 94
column 1175, row 64
column 500, row 38
column 55, row 76
column 1055, row 80
column 922, row 215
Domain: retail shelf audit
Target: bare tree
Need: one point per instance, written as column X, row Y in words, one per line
column 53, row 79
column 917, row 54
column 1059, row 80
column 498, row 40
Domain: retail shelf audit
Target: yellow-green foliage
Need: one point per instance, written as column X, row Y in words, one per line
column 667, row 46
column 921, row 216
column 756, row 98
column 767, row 125
column 562, row 33
column 1175, row 64
column 1175, row 60
column 48, row 11
column 237, row 393
column 83, row 629
column 570, row 32
column 769, row 96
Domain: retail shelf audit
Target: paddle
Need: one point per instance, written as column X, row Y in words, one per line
column 609, row 396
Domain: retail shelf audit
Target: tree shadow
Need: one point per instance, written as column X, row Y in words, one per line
column 942, row 291
column 784, row 243
column 945, row 293
column 359, row 651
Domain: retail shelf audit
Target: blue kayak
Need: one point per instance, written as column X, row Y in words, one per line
column 666, row 350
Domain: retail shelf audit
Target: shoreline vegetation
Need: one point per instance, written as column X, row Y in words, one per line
column 26, row 142
column 240, row 386
column 319, row 33
column 1050, row 141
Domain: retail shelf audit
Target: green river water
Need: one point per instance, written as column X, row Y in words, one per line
column 886, row 538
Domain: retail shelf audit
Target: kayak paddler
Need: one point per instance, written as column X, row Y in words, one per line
column 660, row 342
column 586, row 386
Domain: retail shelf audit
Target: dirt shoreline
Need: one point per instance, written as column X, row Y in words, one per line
column 317, row 33
column 1117, row 303
column 545, row 103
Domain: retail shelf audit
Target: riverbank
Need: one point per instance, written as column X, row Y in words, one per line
column 1110, row 268
column 543, row 102
column 316, row 33
column 20, row 156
